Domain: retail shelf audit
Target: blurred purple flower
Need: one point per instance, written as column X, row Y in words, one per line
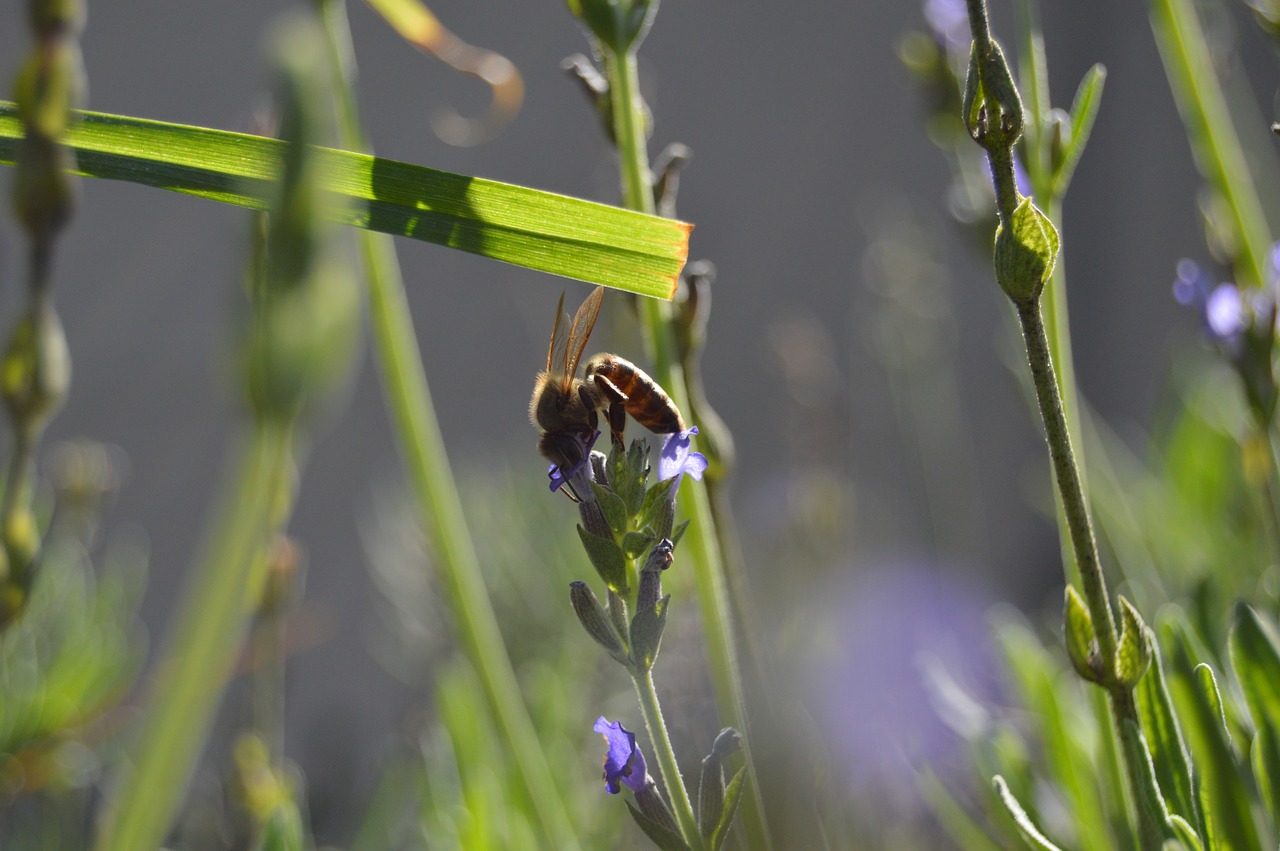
column 623, row 762
column 676, row 459
column 1226, row 312
column 559, row 478
column 949, row 20
column 903, row 672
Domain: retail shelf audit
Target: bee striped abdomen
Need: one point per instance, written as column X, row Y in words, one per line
column 646, row 402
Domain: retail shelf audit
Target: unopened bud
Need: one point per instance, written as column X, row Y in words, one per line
column 36, row 369
column 595, row 620
column 650, row 619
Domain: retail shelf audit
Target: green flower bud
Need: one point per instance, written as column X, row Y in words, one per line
column 650, row 619
column 595, row 620
column 1025, row 254
column 36, row 369
column 1133, row 654
column 50, row 85
column 619, row 25
column 49, row 16
column 44, row 192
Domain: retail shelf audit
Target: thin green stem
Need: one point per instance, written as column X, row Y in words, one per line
column 701, row 539
column 407, row 395
column 1075, row 508
column 208, row 631
column 1210, row 127
column 667, row 765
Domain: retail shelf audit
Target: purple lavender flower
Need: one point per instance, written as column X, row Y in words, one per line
column 949, row 20
column 1225, row 313
column 623, row 763
column 1242, row 323
column 676, row 459
column 559, row 478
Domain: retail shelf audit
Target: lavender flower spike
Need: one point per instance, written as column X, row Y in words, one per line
column 623, row 763
column 676, row 459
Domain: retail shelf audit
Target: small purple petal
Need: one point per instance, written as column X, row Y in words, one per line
column 623, row 762
column 676, row 459
column 1224, row 312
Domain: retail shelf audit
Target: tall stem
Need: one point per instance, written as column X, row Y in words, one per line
column 1076, row 511
column 637, row 191
column 666, row 755
column 421, row 445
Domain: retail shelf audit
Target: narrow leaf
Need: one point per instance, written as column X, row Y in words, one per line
column 1084, row 109
column 1255, row 656
column 660, row 835
column 1164, row 737
column 732, row 797
column 1033, row 838
column 526, row 227
column 1147, row 792
column 1186, row 834
column 1224, row 796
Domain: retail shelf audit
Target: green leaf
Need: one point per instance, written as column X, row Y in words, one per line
column 961, row 828
column 612, row 507
column 732, row 797
column 1185, row 833
column 527, row 227
column 1033, row 838
column 606, row 556
column 1147, row 792
column 1164, row 737
column 283, row 830
column 1255, row 656
column 1224, row 796
column 660, row 835
column 1068, row 754
column 1084, row 109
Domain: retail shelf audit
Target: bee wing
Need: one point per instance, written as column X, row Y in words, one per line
column 556, row 348
column 583, row 321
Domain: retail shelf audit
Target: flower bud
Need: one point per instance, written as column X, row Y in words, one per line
column 651, row 607
column 36, row 369
column 619, row 25
column 711, row 780
column 595, row 620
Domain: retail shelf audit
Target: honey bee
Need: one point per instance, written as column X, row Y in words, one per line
column 564, row 407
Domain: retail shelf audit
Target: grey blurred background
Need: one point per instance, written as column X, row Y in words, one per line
column 808, row 150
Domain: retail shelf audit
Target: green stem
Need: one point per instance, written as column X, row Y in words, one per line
column 1092, row 579
column 667, row 765
column 637, row 192
column 209, row 627
column 406, row 392
column 1217, row 148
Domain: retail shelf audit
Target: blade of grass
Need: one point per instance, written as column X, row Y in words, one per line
column 209, row 628
column 426, row 462
column 539, row 230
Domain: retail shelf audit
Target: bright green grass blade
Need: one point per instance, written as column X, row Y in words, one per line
column 526, row 227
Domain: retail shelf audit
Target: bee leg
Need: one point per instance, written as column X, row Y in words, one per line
column 617, row 409
column 593, row 419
